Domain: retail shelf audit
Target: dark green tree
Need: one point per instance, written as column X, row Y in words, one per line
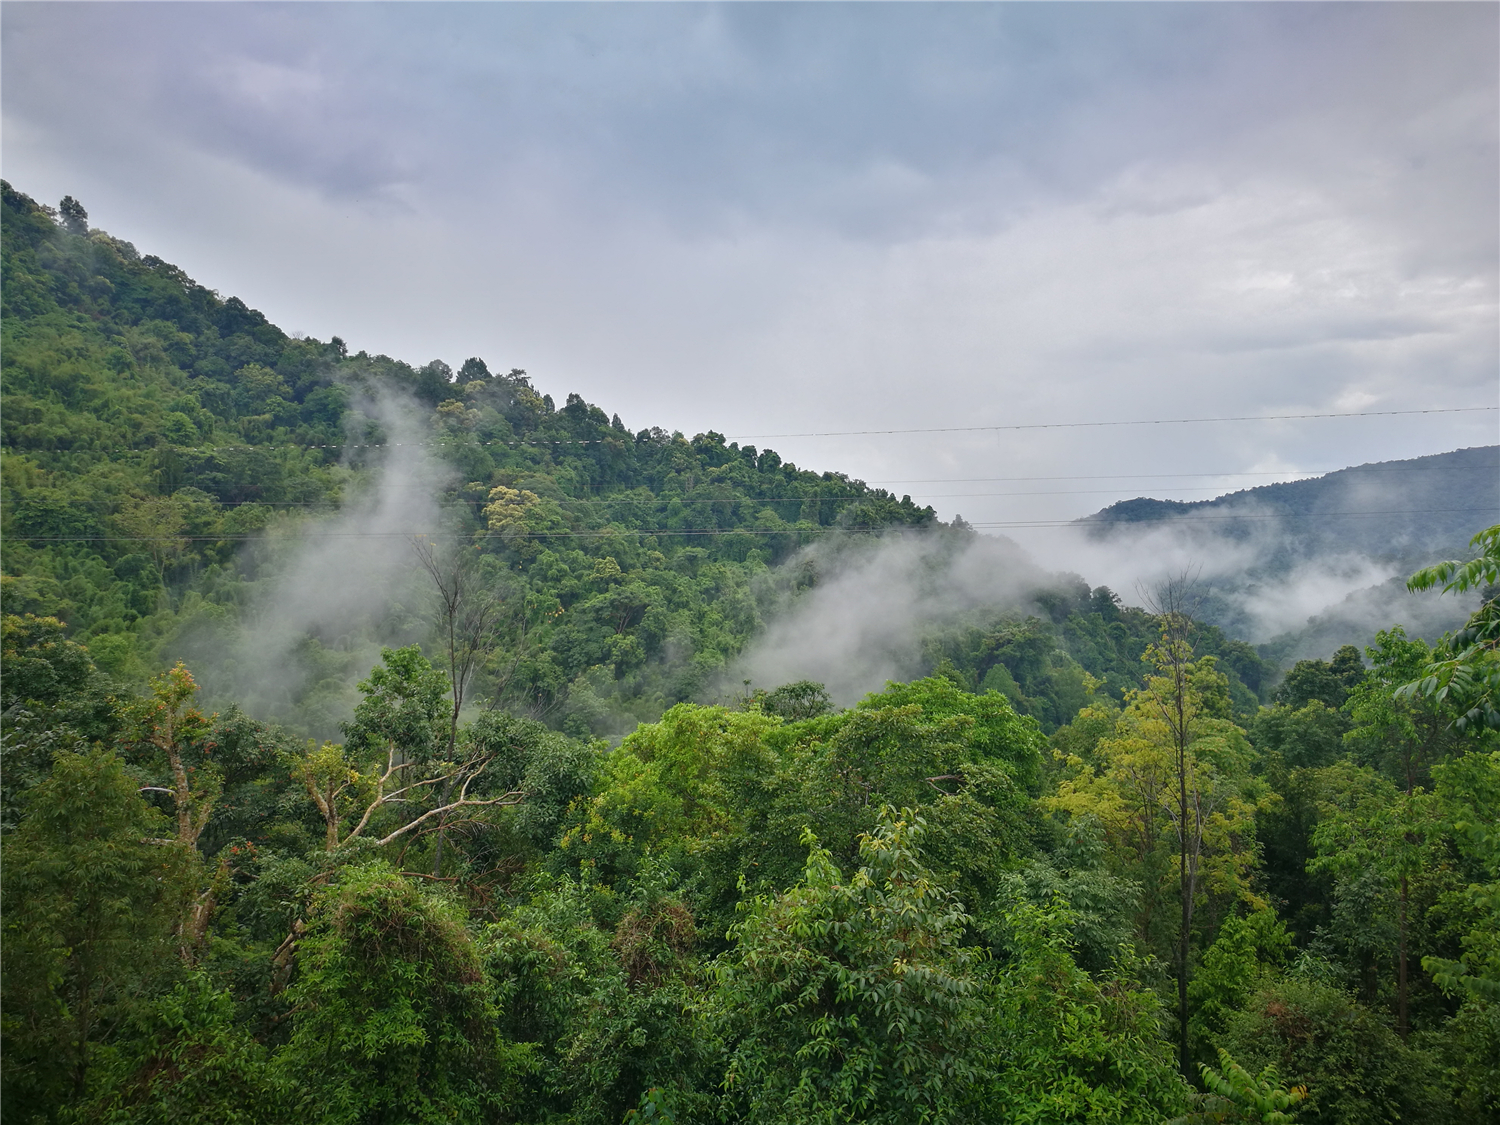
column 473, row 368
column 75, row 219
column 93, row 886
column 853, row 999
column 396, row 1019
column 1061, row 1046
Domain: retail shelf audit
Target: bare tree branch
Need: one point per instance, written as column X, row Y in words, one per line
column 515, row 797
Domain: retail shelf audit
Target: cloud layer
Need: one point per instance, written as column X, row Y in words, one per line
column 773, row 219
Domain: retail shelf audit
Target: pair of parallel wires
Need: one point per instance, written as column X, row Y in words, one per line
column 816, row 498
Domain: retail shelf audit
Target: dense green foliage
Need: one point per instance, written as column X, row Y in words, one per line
column 163, row 444
column 1099, row 866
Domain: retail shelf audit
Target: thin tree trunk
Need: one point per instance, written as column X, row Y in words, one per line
column 458, row 702
column 437, row 856
column 1185, row 932
column 1401, row 1024
column 1186, row 881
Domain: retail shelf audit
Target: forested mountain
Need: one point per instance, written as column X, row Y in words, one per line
column 152, row 429
column 549, row 860
column 164, row 445
column 1402, row 511
column 1263, row 554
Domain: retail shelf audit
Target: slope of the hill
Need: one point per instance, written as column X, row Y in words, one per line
column 1305, row 567
column 183, row 479
column 154, row 431
column 1397, row 511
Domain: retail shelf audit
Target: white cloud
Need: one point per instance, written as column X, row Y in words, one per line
column 761, row 219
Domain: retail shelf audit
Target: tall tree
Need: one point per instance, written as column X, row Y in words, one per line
column 75, row 219
column 168, row 722
column 171, row 726
column 471, row 608
column 1380, row 839
column 1169, row 784
column 91, row 892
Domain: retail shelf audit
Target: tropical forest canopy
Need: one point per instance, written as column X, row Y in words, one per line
column 544, row 861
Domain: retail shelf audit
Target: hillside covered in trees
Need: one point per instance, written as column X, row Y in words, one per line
column 1361, row 524
column 164, row 445
column 1434, row 501
column 544, row 860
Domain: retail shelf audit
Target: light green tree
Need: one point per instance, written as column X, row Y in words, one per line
column 1465, row 672
column 1172, row 788
column 853, row 999
column 1233, row 1094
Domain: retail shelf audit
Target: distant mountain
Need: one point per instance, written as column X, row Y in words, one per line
column 1391, row 511
column 1304, row 567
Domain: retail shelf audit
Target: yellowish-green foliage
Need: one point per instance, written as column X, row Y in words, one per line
column 334, row 785
column 509, row 508
column 680, row 782
column 1130, row 783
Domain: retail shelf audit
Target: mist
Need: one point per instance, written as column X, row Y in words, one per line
column 331, row 591
column 1301, row 567
column 855, row 612
column 849, row 612
column 1248, row 575
column 854, row 615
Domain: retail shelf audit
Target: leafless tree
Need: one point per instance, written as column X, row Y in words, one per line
column 472, row 615
column 339, row 789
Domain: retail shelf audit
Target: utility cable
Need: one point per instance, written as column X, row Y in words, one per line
column 1123, row 422
column 574, row 501
column 789, row 529
column 452, row 442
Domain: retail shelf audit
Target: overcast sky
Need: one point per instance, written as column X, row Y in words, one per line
column 774, row 219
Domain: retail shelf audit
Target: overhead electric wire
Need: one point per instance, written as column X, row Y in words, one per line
column 1121, row 422
column 452, row 442
column 789, row 529
column 572, row 501
column 595, row 500
column 1300, row 474
column 1304, row 474
column 668, row 500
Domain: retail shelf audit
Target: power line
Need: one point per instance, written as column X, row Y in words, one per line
column 1301, row 474
column 1124, row 422
column 512, row 442
column 573, row 501
column 789, row 529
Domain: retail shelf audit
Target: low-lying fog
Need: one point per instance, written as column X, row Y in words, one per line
column 853, row 612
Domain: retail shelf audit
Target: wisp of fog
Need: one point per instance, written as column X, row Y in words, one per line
column 335, row 588
column 857, row 610
column 855, row 614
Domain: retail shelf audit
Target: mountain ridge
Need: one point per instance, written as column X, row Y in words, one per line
column 183, row 480
column 1425, row 504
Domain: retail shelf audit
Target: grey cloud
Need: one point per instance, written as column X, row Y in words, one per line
column 877, row 121
column 876, row 215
